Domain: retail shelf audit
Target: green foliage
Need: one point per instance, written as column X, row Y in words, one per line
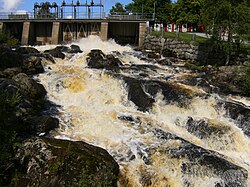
column 8, row 133
column 6, row 37
column 117, row 8
column 245, row 81
column 187, row 11
column 162, row 8
column 227, row 20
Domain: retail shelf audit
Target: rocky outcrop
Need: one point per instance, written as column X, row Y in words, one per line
column 97, row 59
column 196, row 160
column 59, row 51
column 50, row 162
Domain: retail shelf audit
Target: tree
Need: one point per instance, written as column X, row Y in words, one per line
column 227, row 18
column 162, row 8
column 117, row 8
column 187, row 11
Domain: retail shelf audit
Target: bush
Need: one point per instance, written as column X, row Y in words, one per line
column 245, row 82
column 6, row 37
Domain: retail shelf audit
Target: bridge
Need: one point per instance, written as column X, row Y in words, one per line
column 53, row 24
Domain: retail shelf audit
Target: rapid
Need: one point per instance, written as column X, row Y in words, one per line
column 186, row 138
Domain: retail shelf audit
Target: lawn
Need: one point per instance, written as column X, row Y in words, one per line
column 182, row 36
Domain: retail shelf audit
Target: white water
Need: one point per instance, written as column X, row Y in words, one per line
column 92, row 103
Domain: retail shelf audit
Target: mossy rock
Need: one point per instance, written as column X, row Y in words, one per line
column 53, row 162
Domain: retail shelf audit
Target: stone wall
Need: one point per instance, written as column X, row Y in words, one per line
column 203, row 53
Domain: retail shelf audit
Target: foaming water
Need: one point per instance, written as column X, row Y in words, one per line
column 94, row 108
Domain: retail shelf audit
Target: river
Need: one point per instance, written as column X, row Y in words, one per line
column 186, row 138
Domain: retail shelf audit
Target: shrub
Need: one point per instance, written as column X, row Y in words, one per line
column 6, row 37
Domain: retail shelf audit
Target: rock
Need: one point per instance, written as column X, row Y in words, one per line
column 240, row 113
column 97, row 59
column 29, row 86
column 204, row 128
column 9, row 58
column 168, row 53
column 165, row 62
column 190, row 157
column 75, row 49
column 52, row 162
column 153, row 55
column 42, row 124
column 32, row 65
column 58, row 51
column 27, row 50
column 137, row 95
column 10, row 72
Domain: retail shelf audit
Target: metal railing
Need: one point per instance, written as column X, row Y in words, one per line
column 77, row 15
column 130, row 16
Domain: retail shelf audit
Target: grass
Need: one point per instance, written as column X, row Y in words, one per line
column 181, row 36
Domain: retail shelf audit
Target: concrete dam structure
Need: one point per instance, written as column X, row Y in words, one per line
column 33, row 32
column 53, row 24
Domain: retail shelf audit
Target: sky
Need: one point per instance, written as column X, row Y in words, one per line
column 27, row 5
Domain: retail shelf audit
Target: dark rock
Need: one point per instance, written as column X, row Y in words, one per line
column 192, row 156
column 205, row 129
column 240, row 113
column 10, row 72
column 153, row 55
column 51, row 162
column 29, row 86
column 42, row 124
column 58, row 51
column 168, row 53
column 27, row 50
column 165, row 62
column 137, row 95
column 32, row 65
column 97, row 59
column 75, row 49
column 9, row 58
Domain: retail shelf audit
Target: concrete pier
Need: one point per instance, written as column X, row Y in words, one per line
column 104, row 31
column 1, row 26
column 55, row 33
column 26, row 33
column 142, row 33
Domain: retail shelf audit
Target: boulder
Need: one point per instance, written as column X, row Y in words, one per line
column 75, row 49
column 10, row 72
column 42, row 124
column 97, row 59
column 57, row 52
column 240, row 113
column 9, row 58
column 27, row 50
column 191, row 157
column 137, row 95
column 52, row 162
column 32, row 65
column 29, row 86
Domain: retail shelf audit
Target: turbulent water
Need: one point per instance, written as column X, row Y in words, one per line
column 171, row 144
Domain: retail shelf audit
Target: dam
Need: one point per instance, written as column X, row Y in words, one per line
column 53, row 24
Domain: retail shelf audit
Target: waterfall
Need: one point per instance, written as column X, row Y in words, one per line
column 186, row 138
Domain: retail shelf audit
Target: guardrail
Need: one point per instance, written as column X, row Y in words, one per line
column 130, row 16
column 76, row 15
